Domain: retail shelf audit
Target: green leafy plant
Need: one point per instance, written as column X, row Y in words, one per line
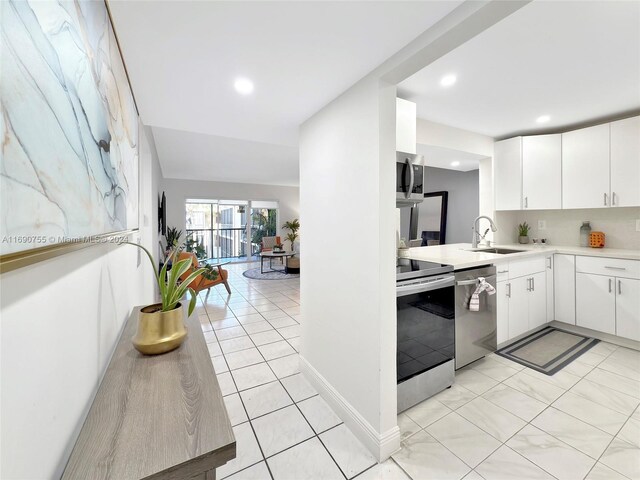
column 523, row 229
column 264, row 225
column 294, row 226
column 193, row 245
column 171, row 288
column 173, row 237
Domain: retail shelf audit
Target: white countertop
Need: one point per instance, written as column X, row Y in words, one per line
column 459, row 255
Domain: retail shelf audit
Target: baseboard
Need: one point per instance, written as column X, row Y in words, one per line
column 605, row 337
column 381, row 445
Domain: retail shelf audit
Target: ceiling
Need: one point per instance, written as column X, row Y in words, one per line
column 574, row 61
column 183, row 58
column 442, row 157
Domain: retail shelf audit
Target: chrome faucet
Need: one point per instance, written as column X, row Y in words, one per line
column 476, row 235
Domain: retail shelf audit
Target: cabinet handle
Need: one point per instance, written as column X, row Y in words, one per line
column 503, row 271
column 509, row 290
column 605, row 199
column 526, row 202
column 533, row 284
column 613, row 198
column 610, row 285
column 619, row 287
column 550, row 263
column 614, row 268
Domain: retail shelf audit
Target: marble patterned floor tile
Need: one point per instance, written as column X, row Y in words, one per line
column 271, row 351
column 455, row 396
column 604, row 348
column 298, row 387
column 468, row 442
column 423, row 457
column 219, row 364
column 505, row 361
column 473, row 475
column 265, row 399
column 494, row 420
column 550, row 454
column 535, row 388
column 257, row 327
column 349, row 453
column 243, row 358
column 285, row 366
column 506, row 464
column 631, row 357
column 281, row 429
column 235, row 409
column 607, row 397
column 592, row 358
column 615, row 382
column 231, row 332
column 494, row 369
column 630, row 433
column 226, row 384
column 249, row 377
column 620, row 367
column 622, row 457
column 602, row 472
column 590, row 412
column 319, row 414
column 306, row 461
column 561, row 379
column 515, row 402
column 247, row 451
column 475, row 381
column 578, row 368
column 263, row 338
column 574, row 432
column 388, row 470
column 427, row 412
column 259, row 471
column 407, row 426
column 236, row 344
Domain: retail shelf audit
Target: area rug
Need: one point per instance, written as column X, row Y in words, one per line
column 548, row 350
column 279, row 274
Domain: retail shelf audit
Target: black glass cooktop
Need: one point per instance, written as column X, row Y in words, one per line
column 406, row 269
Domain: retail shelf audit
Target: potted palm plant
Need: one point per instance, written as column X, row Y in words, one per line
column 523, row 233
column 161, row 325
column 294, row 226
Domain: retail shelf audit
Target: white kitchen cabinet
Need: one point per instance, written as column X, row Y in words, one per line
column 518, row 306
column 625, row 162
column 596, row 302
column 628, row 308
column 525, row 301
column 542, row 172
column 550, row 286
column 564, row 288
column 585, row 168
column 502, row 309
column 537, row 300
column 406, row 125
column 507, row 174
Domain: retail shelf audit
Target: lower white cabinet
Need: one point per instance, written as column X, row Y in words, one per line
column 537, row 300
column 502, row 308
column 518, row 306
column 550, row 286
column 522, row 305
column 628, row 308
column 596, row 302
column 564, row 288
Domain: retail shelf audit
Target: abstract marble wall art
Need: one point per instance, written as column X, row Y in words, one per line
column 69, row 164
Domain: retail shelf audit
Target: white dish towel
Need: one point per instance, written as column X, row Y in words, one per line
column 483, row 286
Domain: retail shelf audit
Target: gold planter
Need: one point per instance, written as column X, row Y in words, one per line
column 159, row 332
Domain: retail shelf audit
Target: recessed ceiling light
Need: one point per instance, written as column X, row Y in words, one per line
column 448, row 80
column 543, row 119
column 243, row 86
column 455, row 164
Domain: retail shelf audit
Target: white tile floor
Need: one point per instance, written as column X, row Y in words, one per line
column 499, row 421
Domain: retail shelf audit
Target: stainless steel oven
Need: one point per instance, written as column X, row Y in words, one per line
column 409, row 178
column 425, row 301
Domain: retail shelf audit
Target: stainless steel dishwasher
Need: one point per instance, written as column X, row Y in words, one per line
column 475, row 334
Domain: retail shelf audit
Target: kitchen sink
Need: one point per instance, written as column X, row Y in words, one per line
column 499, row 251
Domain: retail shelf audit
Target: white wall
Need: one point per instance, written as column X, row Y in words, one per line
column 177, row 191
column 618, row 224
column 60, row 321
column 436, row 134
column 347, row 208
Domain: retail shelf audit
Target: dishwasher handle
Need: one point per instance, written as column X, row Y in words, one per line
column 412, row 287
column 462, row 283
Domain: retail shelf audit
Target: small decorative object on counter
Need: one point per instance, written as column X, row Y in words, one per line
column 279, row 248
column 523, row 233
column 543, row 241
column 585, row 231
column 596, row 240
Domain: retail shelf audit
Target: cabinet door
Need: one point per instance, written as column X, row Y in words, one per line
column 507, row 174
column 585, row 168
column 596, row 302
column 625, row 162
column 628, row 308
column 538, row 300
column 519, row 307
column 549, row 284
column 502, row 311
column 564, row 288
column 542, row 172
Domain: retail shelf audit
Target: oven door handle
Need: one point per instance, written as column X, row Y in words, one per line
column 403, row 290
column 411, row 178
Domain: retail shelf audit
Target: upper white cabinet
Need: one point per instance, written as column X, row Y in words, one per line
column 585, row 168
column 625, row 162
column 507, row 174
column 406, row 121
column 542, row 172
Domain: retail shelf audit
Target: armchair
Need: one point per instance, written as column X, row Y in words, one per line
column 201, row 283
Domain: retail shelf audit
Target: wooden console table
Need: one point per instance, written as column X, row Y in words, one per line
column 155, row 417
